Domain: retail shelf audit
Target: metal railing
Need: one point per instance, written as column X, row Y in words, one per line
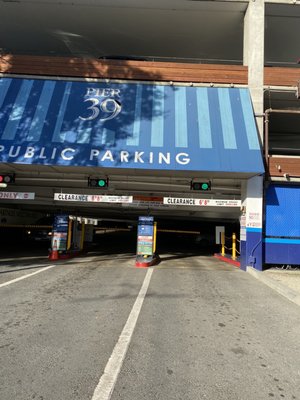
column 230, row 244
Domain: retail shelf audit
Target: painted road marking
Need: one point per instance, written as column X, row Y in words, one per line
column 26, row 276
column 109, row 378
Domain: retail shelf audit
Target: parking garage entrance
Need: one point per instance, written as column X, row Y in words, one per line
column 140, row 138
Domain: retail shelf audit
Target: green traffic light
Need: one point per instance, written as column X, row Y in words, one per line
column 204, row 186
column 98, row 182
column 101, row 182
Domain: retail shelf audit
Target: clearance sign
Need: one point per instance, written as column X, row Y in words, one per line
column 93, row 198
column 181, row 201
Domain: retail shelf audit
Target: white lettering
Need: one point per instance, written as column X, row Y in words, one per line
column 106, row 92
column 42, row 155
column 162, row 157
column 184, row 160
column 94, row 153
column 63, row 154
column 151, row 157
column 94, row 110
column 90, row 92
column 11, row 151
column 107, row 156
column 53, row 153
column 29, row 153
column 137, row 157
column 115, row 92
column 124, row 156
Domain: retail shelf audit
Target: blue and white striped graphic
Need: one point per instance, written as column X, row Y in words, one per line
column 17, row 111
column 157, row 122
column 180, row 118
column 204, row 127
column 227, row 119
column 39, row 119
column 128, row 125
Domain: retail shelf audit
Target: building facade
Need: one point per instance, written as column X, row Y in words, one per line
column 203, row 57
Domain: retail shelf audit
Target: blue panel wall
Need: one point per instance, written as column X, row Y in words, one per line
column 282, row 241
column 254, row 246
column 282, row 211
column 282, row 251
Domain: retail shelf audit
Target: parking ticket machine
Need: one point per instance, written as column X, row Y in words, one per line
column 146, row 242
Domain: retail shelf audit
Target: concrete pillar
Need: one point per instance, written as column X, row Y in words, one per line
column 252, row 248
column 243, row 235
column 253, row 56
column 76, row 235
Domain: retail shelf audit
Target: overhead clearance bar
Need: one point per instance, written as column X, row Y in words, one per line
column 181, row 201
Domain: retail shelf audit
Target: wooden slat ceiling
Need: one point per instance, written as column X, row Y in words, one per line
column 143, row 70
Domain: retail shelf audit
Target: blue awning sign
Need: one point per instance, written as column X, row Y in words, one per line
column 128, row 125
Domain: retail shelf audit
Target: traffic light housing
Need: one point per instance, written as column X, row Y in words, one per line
column 100, row 183
column 202, row 186
column 7, row 178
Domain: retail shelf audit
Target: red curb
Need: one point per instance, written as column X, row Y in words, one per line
column 140, row 264
column 228, row 260
column 143, row 265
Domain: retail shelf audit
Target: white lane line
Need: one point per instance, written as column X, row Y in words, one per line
column 109, row 378
column 26, row 276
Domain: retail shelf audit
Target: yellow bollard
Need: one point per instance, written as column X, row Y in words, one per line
column 223, row 243
column 233, row 246
column 69, row 242
column 154, row 237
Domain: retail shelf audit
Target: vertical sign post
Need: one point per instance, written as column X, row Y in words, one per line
column 145, row 242
column 145, row 236
column 60, row 232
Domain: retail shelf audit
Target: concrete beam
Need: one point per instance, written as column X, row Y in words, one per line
column 253, row 57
